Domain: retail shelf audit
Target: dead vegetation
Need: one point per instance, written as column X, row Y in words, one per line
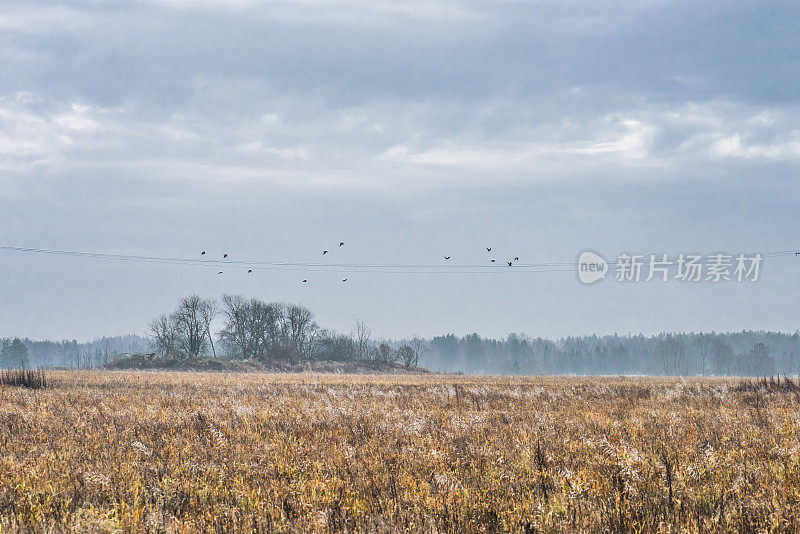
column 232, row 452
column 23, row 378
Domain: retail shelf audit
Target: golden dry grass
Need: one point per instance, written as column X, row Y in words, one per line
column 199, row 452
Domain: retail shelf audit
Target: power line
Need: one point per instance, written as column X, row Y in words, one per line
column 386, row 268
column 301, row 266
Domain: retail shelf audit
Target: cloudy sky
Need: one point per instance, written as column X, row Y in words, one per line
column 271, row 130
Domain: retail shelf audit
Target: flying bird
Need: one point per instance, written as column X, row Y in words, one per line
column 249, row 271
column 492, row 261
column 341, row 243
column 219, row 272
column 797, row 253
column 203, row 253
column 516, row 258
column 509, row 263
column 447, row 257
column 324, row 252
column 488, row 249
column 224, row 256
column 304, row 281
column 344, row 280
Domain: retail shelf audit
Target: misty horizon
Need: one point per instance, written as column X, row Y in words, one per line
column 237, row 328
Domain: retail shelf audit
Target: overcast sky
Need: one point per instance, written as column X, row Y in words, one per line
column 409, row 130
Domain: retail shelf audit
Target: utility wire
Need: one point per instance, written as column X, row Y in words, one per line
column 387, row 268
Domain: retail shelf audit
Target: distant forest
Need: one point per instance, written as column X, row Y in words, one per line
column 746, row 353
column 15, row 352
column 251, row 329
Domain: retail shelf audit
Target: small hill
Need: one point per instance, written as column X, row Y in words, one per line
column 154, row 362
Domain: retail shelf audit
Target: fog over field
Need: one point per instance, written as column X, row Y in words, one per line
column 272, row 131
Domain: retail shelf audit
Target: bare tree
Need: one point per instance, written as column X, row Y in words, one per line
column 68, row 353
column 191, row 325
column 164, row 335
column 758, row 361
column 270, row 319
column 671, row 353
column 87, row 358
column 721, row 357
column 386, row 354
column 337, row 347
column 238, row 335
column 417, row 345
column 406, row 355
column 316, row 343
column 208, row 311
column 703, row 342
column 255, row 329
column 186, row 330
column 362, row 335
column 104, row 351
column 301, row 326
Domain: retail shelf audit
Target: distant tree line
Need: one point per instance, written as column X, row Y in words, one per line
column 746, row 353
column 251, row 329
column 69, row 353
column 14, row 354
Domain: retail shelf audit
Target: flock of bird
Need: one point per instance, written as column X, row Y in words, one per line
column 341, row 244
column 489, row 249
column 446, row 266
column 446, row 258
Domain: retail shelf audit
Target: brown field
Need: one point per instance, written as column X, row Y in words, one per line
column 128, row 451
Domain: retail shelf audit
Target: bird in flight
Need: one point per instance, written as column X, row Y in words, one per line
column 516, row 258
column 249, row 271
column 224, row 256
column 509, row 263
column 344, row 280
column 304, row 281
column 219, row 272
column 447, row 257
column 492, row 261
column 203, row 253
column 341, row 243
column 324, row 252
column 488, row 249
column 797, row 253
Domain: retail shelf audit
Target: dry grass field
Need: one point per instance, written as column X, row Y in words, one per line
column 175, row 452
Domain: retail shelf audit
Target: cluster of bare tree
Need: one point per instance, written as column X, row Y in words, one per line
column 266, row 331
column 187, row 330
